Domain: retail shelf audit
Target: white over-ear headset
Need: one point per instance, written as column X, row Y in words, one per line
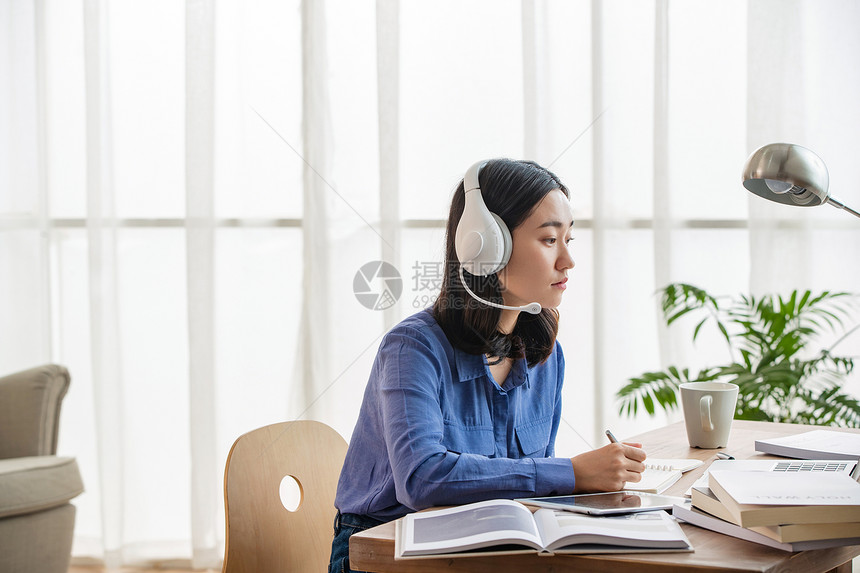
column 482, row 241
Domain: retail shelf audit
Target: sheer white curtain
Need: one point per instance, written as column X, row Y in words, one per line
column 188, row 190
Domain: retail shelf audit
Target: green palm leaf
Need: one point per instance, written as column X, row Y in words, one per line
column 767, row 337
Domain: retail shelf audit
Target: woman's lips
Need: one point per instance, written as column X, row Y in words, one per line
column 560, row 284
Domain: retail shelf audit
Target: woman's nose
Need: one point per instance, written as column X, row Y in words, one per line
column 565, row 260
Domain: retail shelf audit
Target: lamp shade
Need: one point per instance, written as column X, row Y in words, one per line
column 788, row 174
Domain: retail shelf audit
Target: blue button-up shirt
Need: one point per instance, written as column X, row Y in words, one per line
column 435, row 429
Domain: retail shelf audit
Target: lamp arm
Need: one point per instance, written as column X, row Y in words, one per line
column 840, row 205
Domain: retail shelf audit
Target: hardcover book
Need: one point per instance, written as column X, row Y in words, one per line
column 703, row 499
column 699, row 518
column 773, row 498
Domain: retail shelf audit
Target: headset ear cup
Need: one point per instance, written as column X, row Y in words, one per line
column 507, row 242
column 482, row 240
column 484, row 251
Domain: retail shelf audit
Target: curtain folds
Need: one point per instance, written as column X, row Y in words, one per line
column 241, row 163
column 599, row 169
column 388, row 106
column 200, row 276
column 316, row 319
column 107, row 350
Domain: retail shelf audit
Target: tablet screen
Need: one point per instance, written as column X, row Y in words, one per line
column 607, row 503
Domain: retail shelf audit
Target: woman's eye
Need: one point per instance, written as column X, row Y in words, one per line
column 550, row 241
column 569, row 241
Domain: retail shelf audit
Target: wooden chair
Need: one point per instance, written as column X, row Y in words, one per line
column 262, row 535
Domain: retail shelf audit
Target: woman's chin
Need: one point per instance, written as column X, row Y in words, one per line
column 553, row 301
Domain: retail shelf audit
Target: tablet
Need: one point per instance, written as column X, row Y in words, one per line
column 607, row 503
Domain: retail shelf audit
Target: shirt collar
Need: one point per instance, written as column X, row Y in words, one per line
column 519, row 375
column 469, row 366
column 473, row 366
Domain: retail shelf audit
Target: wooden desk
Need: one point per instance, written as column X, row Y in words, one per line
column 373, row 550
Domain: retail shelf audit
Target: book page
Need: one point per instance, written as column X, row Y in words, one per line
column 649, row 529
column 471, row 526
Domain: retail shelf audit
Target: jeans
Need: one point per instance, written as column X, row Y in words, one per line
column 345, row 524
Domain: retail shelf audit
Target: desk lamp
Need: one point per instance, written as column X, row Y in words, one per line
column 791, row 175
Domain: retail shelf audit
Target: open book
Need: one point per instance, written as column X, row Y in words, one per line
column 504, row 526
column 660, row 473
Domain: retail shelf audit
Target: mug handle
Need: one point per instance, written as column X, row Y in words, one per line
column 705, row 412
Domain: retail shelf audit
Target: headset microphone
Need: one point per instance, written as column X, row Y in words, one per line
column 482, row 241
column 532, row 307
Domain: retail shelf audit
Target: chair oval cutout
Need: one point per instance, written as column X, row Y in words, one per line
column 290, row 492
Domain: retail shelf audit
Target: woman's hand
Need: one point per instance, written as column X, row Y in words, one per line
column 607, row 468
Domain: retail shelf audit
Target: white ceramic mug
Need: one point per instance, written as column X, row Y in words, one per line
column 709, row 408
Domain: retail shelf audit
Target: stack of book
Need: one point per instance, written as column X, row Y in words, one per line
column 792, row 511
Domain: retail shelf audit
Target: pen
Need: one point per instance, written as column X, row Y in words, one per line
column 611, row 437
column 725, row 456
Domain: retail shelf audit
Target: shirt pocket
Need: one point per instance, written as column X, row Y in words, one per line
column 469, row 439
column 533, row 437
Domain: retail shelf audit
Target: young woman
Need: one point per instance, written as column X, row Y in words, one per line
column 464, row 398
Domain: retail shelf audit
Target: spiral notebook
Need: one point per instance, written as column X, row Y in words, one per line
column 660, row 473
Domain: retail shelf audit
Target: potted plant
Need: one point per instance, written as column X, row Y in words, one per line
column 772, row 356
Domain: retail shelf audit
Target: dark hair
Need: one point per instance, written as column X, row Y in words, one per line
column 510, row 189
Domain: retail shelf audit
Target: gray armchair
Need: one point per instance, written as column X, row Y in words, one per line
column 36, row 519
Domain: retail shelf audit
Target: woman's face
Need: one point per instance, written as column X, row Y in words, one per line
column 540, row 259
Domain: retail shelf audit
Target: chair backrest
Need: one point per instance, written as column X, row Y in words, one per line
column 262, row 535
column 30, row 411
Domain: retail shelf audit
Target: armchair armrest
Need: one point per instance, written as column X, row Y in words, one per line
column 30, row 411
